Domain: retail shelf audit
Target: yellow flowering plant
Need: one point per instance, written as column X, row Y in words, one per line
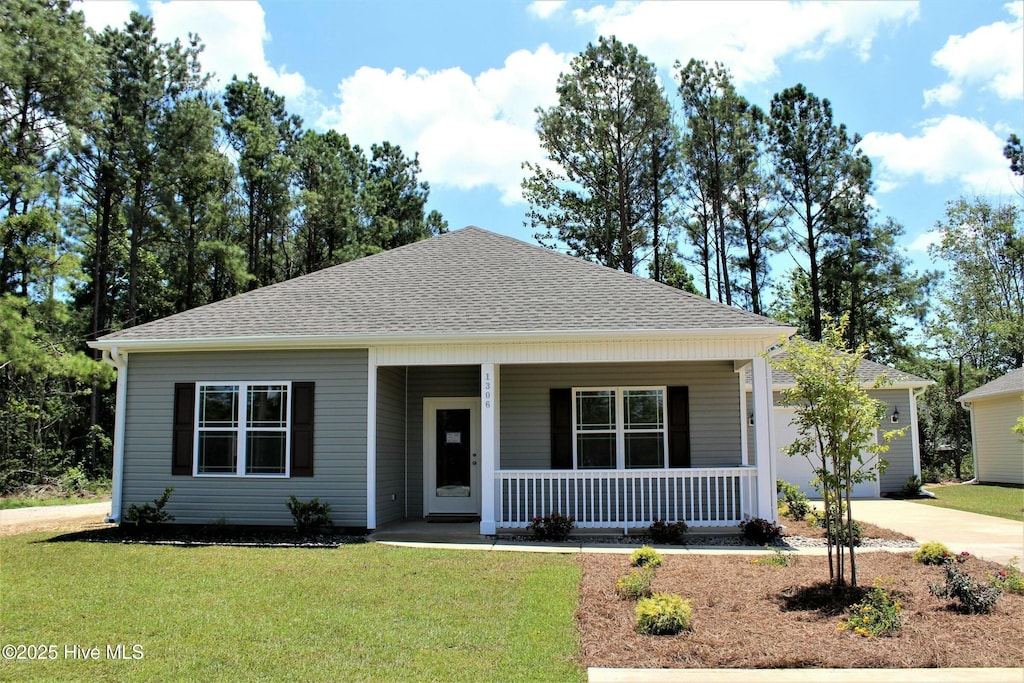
column 880, row 613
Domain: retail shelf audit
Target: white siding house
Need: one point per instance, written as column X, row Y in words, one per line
column 998, row 450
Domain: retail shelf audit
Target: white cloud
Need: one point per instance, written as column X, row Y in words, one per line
column 923, row 241
column 468, row 131
column 542, row 9
column 953, row 148
column 100, row 14
column 234, row 34
column 748, row 37
column 989, row 57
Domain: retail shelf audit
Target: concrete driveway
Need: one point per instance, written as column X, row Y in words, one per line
column 992, row 538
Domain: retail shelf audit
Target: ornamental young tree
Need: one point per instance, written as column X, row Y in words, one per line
column 836, row 421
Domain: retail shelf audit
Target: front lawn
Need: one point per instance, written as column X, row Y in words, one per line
column 986, row 499
column 359, row 612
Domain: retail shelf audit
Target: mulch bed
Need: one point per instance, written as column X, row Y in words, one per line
column 802, row 528
column 212, row 535
column 749, row 616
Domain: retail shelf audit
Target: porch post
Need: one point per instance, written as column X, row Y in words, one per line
column 371, row 438
column 488, row 444
column 764, row 439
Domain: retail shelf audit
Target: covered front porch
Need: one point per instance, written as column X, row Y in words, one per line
column 615, row 443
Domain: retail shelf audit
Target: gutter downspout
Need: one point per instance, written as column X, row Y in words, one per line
column 120, row 362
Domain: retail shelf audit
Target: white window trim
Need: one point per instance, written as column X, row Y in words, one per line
column 620, row 425
column 243, row 429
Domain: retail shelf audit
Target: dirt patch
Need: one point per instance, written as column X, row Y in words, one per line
column 749, row 616
column 69, row 525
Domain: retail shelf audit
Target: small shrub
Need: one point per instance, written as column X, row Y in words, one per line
column 309, row 516
column 663, row 614
column 74, row 479
column 645, row 556
column 973, row 596
column 912, row 486
column 796, row 503
column 760, row 531
column 880, row 613
column 150, row 513
column 1009, row 578
column 932, row 553
column 636, row 584
column 670, row 533
column 776, row 559
column 553, row 527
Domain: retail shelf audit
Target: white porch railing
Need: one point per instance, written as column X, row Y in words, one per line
column 706, row 497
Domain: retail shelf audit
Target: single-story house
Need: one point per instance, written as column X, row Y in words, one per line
column 903, row 458
column 994, row 408
column 467, row 374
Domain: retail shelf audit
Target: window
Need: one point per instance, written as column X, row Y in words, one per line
column 242, row 429
column 617, row 428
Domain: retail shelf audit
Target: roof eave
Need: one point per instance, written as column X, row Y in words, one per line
column 297, row 342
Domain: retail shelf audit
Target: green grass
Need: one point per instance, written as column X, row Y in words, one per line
column 14, row 502
column 360, row 612
column 986, row 499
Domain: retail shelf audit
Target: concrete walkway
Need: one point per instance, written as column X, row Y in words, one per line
column 991, row 538
column 804, row 675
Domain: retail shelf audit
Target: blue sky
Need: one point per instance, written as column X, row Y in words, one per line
column 934, row 87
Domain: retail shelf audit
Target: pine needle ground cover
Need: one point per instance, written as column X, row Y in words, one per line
column 750, row 616
column 358, row 612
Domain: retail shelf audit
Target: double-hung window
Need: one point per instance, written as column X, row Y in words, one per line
column 242, row 429
column 619, row 428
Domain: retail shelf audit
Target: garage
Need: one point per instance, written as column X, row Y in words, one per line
column 797, row 470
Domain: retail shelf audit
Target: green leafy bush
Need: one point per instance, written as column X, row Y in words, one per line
column 796, row 503
column 932, row 553
column 1009, row 578
column 776, row 559
column 150, row 513
column 670, row 533
column 552, row 527
column 663, row 614
column 760, row 531
column 74, row 479
column 880, row 613
column 912, row 486
column 838, row 532
column 309, row 516
column 645, row 556
column 636, row 584
column 973, row 596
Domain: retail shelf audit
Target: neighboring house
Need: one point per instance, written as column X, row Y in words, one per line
column 994, row 408
column 904, row 455
column 468, row 374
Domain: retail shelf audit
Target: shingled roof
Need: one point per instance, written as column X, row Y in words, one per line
column 867, row 372
column 1007, row 385
column 460, row 284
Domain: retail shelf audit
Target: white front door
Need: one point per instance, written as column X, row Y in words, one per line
column 451, row 449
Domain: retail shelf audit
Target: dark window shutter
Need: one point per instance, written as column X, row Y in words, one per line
column 302, row 429
column 561, row 429
column 184, row 422
column 678, row 427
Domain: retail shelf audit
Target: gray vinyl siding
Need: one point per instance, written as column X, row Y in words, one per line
column 901, row 449
column 900, row 455
column 339, row 441
column 390, row 445
column 526, row 419
column 438, row 381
